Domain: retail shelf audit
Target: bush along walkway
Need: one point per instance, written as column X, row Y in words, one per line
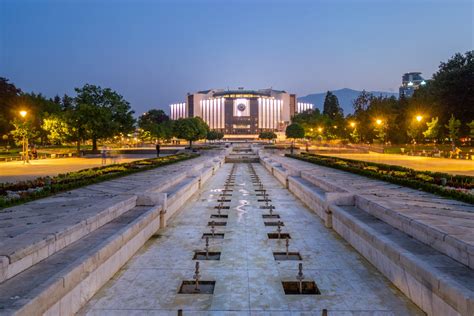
column 24, row 191
column 451, row 186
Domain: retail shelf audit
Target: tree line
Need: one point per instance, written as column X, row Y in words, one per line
column 440, row 111
column 93, row 114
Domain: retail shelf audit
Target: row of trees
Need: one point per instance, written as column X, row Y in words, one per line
column 155, row 125
column 441, row 110
column 94, row 113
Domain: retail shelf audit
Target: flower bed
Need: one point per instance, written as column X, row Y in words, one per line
column 24, row 191
column 452, row 186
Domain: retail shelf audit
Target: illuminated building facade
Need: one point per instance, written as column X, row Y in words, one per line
column 241, row 112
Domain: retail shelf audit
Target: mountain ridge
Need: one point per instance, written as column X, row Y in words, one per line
column 345, row 97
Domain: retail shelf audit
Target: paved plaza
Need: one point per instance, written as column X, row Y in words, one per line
column 248, row 278
column 14, row 171
column 454, row 166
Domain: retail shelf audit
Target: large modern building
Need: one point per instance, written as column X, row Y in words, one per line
column 410, row 82
column 241, row 113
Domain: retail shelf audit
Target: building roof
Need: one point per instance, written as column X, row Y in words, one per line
column 225, row 92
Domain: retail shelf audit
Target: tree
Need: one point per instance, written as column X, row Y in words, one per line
column 67, row 102
column 415, row 130
column 354, row 134
column 152, row 123
column 294, row 131
column 57, row 128
column 471, row 129
column 453, row 87
column 361, row 115
column 453, row 129
column 191, row 129
column 331, row 107
column 152, row 117
column 214, row 135
column 432, row 133
column 9, row 106
column 361, row 103
column 267, row 135
column 166, row 130
column 381, row 132
column 312, row 120
column 39, row 107
column 108, row 113
column 57, row 100
column 22, row 129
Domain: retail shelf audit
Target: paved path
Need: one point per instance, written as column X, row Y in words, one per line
column 17, row 171
column 454, row 166
column 248, row 279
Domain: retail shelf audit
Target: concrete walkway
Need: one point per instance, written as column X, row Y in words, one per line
column 248, row 279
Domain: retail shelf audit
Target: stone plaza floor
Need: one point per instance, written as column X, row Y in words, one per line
column 248, row 279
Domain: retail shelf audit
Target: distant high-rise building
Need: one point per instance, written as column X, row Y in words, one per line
column 410, row 82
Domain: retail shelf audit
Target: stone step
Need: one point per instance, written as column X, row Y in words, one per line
column 44, row 239
column 408, row 236
column 59, row 280
column 64, row 281
column 434, row 281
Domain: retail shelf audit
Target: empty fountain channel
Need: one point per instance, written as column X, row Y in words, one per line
column 278, row 236
column 300, row 287
column 197, row 286
column 287, row 254
column 274, row 223
column 207, row 254
column 213, row 223
column 211, row 235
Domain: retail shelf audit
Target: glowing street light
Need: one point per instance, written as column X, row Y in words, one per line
column 320, row 129
column 352, row 124
column 26, row 158
column 418, row 118
column 378, row 122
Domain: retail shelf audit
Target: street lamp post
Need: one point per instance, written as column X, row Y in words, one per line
column 320, row 136
column 352, row 125
column 379, row 123
column 418, row 119
column 26, row 158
